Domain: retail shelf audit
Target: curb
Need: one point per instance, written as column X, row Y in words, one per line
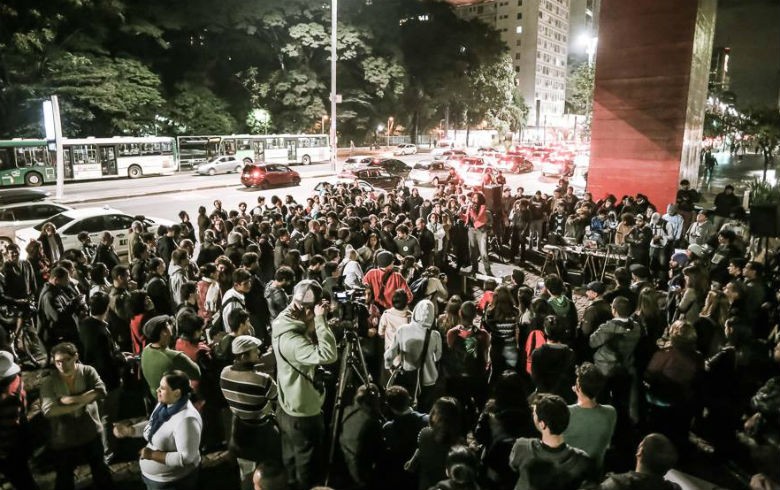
column 168, row 191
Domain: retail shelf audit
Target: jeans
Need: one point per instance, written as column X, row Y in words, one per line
column 478, row 250
column 189, row 482
column 66, row 461
column 302, row 448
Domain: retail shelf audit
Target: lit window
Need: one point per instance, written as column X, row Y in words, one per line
column 519, row 29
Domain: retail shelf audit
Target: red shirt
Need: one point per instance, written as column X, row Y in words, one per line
column 373, row 279
column 478, row 219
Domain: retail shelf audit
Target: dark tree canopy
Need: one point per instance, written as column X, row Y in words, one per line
column 173, row 67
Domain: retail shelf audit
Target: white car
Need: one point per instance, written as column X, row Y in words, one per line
column 220, row 165
column 92, row 220
column 405, row 149
column 22, row 208
column 358, row 161
column 474, row 175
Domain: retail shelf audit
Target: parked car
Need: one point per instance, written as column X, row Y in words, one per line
column 269, row 175
column 94, row 221
column 432, row 172
column 22, row 208
column 375, row 176
column 514, row 163
column 474, row 175
column 357, row 161
column 447, row 153
column 391, row 165
column 405, row 149
column 369, row 189
column 557, row 166
column 220, row 165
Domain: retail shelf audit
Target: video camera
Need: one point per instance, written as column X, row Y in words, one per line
column 347, row 299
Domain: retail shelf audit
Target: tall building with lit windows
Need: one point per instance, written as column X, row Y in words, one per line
column 537, row 35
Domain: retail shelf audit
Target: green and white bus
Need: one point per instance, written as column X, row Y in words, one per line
column 32, row 162
column 289, row 149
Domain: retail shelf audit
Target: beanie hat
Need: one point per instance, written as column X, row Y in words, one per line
column 244, row 343
column 307, row 293
column 154, row 326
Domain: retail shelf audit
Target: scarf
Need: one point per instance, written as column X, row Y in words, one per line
column 161, row 414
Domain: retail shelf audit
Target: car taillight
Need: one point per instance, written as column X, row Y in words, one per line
column 257, row 173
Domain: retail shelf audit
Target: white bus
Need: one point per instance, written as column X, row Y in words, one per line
column 289, row 149
column 120, row 156
column 32, row 161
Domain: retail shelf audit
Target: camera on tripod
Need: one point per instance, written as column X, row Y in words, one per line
column 347, row 301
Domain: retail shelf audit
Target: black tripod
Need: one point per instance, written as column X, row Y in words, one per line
column 353, row 364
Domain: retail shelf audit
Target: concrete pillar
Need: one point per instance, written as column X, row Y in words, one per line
column 652, row 68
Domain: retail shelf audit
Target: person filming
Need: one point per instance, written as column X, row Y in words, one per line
column 301, row 395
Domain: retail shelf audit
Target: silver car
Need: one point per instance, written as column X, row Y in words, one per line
column 220, row 165
column 405, row 149
column 431, row 172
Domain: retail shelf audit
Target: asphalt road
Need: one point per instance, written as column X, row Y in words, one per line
column 164, row 197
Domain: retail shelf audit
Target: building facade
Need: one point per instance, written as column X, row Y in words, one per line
column 536, row 33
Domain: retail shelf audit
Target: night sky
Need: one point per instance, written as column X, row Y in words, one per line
column 751, row 28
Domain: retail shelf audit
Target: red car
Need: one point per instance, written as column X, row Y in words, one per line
column 514, row 163
column 269, row 175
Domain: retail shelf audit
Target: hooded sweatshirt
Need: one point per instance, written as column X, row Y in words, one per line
column 409, row 341
column 295, row 354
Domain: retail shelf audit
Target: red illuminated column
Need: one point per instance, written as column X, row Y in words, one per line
column 652, row 67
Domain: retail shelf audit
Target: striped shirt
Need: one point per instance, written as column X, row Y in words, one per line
column 248, row 392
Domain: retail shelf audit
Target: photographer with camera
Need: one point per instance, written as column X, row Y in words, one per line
column 302, row 341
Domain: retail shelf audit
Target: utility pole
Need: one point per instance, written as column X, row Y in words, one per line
column 333, row 145
column 53, row 125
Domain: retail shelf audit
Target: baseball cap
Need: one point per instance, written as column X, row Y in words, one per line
column 155, row 324
column 696, row 249
column 244, row 343
column 597, row 287
column 307, row 293
column 8, row 367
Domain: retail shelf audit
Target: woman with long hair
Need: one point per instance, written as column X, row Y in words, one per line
column 462, row 470
column 171, row 456
column 692, row 300
column 710, row 325
column 652, row 323
column 40, row 264
column 501, row 322
column 435, row 442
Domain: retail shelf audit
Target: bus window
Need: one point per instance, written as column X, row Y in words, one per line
column 303, row 143
column 32, row 156
column 244, row 145
column 84, row 155
column 229, row 146
column 129, row 150
column 166, row 148
column 6, row 159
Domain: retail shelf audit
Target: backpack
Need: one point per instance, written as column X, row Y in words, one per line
column 217, row 321
column 418, row 288
column 536, row 339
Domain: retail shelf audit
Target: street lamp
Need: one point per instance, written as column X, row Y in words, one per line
column 389, row 129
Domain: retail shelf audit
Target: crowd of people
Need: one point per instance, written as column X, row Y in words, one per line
column 233, row 325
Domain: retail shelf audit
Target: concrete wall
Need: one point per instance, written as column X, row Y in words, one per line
column 651, row 81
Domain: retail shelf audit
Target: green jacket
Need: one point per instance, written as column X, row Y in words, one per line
column 297, row 395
